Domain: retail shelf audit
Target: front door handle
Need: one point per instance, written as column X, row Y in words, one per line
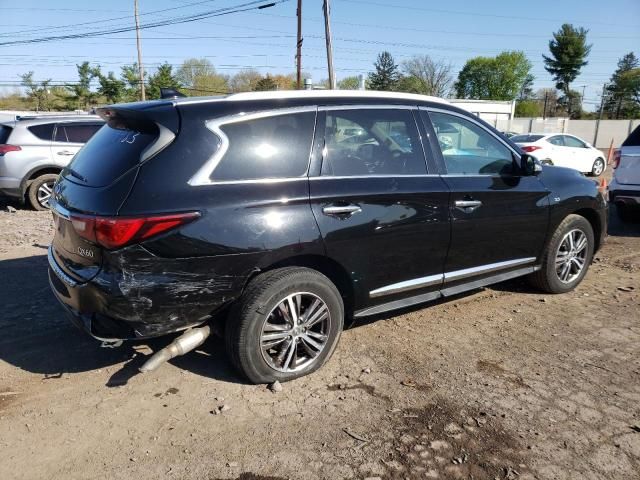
column 340, row 210
column 467, row 206
column 65, row 152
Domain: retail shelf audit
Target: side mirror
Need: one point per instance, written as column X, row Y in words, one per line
column 530, row 165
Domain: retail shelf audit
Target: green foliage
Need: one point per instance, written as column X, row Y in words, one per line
column 163, row 77
column 130, row 75
column 111, row 88
column 81, row 92
column 422, row 74
column 245, row 80
column 37, row 92
column 265, row 84
column 569, row 51
column 528, row 108
column 349, row 83
column 386, row 75
column 622, row 97
column 494, row 78
column 199, row 77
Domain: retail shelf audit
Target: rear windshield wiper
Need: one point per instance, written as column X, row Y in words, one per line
column 76, row 174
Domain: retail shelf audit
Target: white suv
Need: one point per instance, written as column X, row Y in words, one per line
column 33, row 151
column 624, row 189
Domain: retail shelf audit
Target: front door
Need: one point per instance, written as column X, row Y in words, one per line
column 498, row 217
column 382, row 217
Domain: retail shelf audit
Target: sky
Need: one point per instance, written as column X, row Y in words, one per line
column 266, row 39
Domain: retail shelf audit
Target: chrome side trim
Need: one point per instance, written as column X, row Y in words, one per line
column 341, row 177
column 407, row 285
column 165, row 137
column 372, row 106
column 483, row 282
column 492, row 267
column 203, row 175
column 58, row 271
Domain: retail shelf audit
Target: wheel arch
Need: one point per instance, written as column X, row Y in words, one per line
column 35, row 173
column 593, row 218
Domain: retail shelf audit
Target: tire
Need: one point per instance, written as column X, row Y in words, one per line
column 258, row 314
column 37, row 194
column 598, row 167
column 548, row 277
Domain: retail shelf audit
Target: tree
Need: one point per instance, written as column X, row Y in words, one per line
column 424, row 75
column 38, row 92
column 265, row 84
column 526, row 91
column 112, row 88
column 548, row 101
column 569, row 51
column 130, row 75
column 199, row 76
column 622, row 96
column 245, row 80
column 81, row 92
column 349, row 83
column 528, row 108
column 163, row 77
column 386, row 75
column 494, row 78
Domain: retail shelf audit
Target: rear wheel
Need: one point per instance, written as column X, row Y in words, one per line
column 40, row 191
column 286, row 325
column 567, row 257
column 598, row 167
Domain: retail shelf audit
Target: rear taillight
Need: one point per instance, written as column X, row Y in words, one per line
column 616, row 158
column 530, row 148
column 116, row 232
column 4, row 148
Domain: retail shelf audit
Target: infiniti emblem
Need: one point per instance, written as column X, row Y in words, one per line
column 85, row 252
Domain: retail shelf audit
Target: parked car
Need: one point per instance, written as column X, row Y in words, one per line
column 509, row 134
column 250, row 210
column 33, row 151
column 563, row 150
column 624, row 190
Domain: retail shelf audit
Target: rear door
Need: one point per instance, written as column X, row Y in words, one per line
column 381, row 213
column 69, row 137
column 498, row 217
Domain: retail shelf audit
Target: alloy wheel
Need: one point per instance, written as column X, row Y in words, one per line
column 598, row 167
column 295, row 332
column 44, row 193
column 571, row 256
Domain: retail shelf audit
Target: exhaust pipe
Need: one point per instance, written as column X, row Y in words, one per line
column 186, row 342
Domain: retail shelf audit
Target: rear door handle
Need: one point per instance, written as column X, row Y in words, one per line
column 65, row 152
column 341, row 210
column 467, row 206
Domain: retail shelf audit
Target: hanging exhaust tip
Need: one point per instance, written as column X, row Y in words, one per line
column 186, row 342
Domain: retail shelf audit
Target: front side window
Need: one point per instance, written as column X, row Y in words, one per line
column 277, row 146
column 469, row 149
column 573, row 142
column 557, row 141
column 371, row 141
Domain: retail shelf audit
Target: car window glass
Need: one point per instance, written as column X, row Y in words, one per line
column 526, row 138
column 76, row 133
column 469, row 149
column 572, row 142
column 43, row 132
column 272, row 147
column 557, row 141
column 61, row 134
column 372, row 141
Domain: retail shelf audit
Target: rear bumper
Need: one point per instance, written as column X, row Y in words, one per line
column 10, row 187
column 624, row 194
column 108, row 309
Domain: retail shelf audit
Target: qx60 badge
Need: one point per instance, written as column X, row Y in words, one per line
column 85, row 252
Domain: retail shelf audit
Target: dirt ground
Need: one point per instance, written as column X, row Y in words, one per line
column 503, row 383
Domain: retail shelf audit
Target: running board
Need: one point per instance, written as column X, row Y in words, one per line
column 444, row 292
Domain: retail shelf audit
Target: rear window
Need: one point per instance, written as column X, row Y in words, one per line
column 272, row 147
column 5, row 131
column 43, row 132
column 110, row 153
column 632, row 140
column 526, row 138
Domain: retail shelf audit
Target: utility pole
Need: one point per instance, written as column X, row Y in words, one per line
column 299, row 47
column 544, row 110
column 595, row 136
column 140, row 67
column 327, row 34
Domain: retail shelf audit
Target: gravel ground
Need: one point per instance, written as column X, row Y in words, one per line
column 504, row 382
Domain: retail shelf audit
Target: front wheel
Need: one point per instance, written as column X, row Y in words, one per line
column 286, row 324
column 598, row 167
column 566, row 260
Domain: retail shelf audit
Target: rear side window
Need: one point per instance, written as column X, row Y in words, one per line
column 371, row 141
column 76, row 132
column 632, row 140
column 43, row 132
column 526, row 138
column 110, row 153
column 270, row 147
column 5, row 131
column 573, row 142
column 558, row 141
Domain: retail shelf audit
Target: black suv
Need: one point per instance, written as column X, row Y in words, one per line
column 281, row 214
